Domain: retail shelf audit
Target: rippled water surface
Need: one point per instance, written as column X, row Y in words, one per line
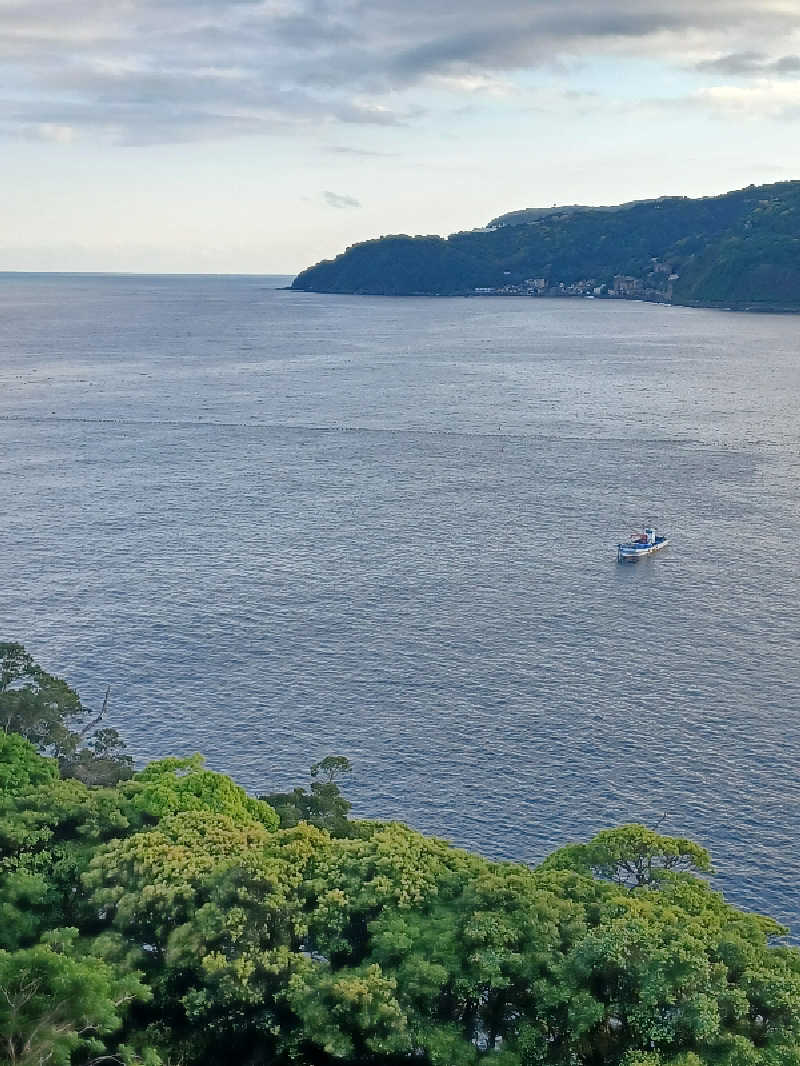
column 282, row 525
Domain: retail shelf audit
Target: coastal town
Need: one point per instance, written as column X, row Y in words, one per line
column 655, row 285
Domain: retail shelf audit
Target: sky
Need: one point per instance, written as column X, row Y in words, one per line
column 260, row 136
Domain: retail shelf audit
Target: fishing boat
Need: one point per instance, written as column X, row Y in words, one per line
column 637, row 547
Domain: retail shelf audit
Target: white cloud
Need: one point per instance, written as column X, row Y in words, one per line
column 51, row 131
column 482, row 83
column 765, row 98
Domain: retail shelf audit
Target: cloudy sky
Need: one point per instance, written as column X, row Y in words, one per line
column 258, row 136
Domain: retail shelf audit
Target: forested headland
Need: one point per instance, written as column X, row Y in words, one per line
column 738, row 250
column 165, row 916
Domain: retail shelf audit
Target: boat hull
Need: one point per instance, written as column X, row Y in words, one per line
column 631, row 553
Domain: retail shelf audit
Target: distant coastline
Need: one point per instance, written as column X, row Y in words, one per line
column 738, row 251
column 743, row 308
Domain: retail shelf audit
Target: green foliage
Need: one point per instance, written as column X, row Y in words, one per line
column 57, row 1002
column 101, row 761
column 756, row 263
column 331, row 767
column 350, row 1014
column 216, row 914
column 150, row 883
column 44, row 710
column 35, row 704
column 740, row 249
column 632, row 855
column 323, row 805
column 48, row 834
column 171, row 786
column 21, row 766
column 232, row 961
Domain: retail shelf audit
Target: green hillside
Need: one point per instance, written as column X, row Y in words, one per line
column 741, row 249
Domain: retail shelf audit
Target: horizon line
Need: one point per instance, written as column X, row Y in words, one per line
column 158, row 273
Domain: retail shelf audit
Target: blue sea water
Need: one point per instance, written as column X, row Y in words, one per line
column 285, row 525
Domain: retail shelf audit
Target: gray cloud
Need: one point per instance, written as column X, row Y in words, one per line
column 172, row 70
column 738, row 64
column 359, row 153
column 335, row 199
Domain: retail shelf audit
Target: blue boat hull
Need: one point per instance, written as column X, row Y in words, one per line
column 632, row 552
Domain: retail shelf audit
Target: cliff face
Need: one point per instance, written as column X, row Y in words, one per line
column 741, row 249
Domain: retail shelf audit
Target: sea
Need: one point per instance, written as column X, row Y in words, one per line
column 283, row 525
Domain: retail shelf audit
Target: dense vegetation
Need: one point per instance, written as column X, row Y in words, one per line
column 741, row 249
column 168, row 917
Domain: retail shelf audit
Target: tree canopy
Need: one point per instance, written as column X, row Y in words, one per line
column 44, row 709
